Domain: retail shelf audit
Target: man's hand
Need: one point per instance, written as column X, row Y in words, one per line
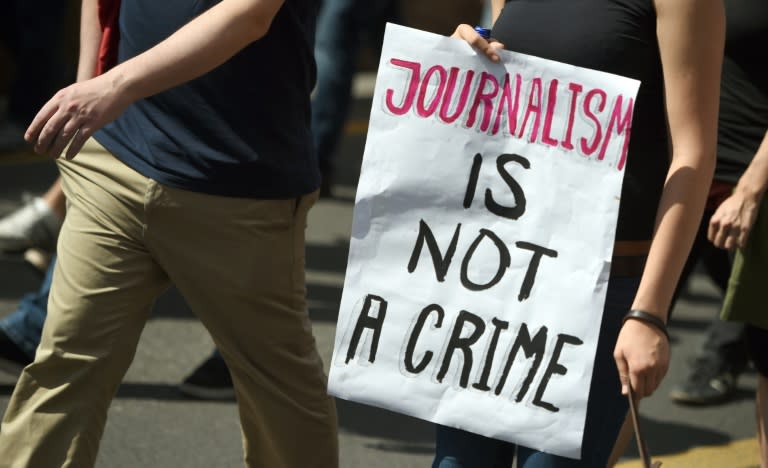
column 73, row 114
column 732, row 222
column 489, row 48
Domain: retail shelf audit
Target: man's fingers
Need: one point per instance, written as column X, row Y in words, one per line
column 743, row 238
column 65, row 135
column 38, row 123
column 714, row 226
column 731, row 238
column 721, row 235
column 47, row 136
column 78, row 141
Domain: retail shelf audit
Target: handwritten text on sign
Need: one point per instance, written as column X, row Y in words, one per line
column 481, row 240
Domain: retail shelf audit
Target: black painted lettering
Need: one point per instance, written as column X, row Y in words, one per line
column 463, row 344
column 533, row 266
column 365, row 320
column 532, row 348
column 440, row 262
column 511, row 212
column 409, row 350
column 554, row 367
column 498, row 325
column 472, row 183
column 504, row 262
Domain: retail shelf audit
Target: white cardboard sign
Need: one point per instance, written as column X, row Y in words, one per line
column 481, row 241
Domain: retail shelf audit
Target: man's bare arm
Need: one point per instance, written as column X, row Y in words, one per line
column 76, row 112
column 90, row 38
column 732, row 222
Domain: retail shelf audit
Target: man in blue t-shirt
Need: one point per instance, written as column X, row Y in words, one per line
column 189, row 163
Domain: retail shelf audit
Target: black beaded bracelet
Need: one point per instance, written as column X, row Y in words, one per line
column 647, row 318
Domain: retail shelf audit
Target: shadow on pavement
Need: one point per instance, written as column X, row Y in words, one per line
column 668, row 438
column 375, row 422
column 688, row 324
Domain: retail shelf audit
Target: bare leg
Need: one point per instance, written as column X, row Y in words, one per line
column 55, row 199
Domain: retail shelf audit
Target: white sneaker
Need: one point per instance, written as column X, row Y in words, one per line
column 32, row 225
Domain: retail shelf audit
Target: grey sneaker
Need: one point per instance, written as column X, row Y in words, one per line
column 710, row 382
column 32, row 225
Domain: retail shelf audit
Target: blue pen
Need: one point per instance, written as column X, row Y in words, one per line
column 485, row 32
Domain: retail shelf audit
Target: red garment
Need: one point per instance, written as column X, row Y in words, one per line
column 109, row 12
column 719, row 191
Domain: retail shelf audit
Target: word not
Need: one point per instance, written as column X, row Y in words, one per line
column 441, row 262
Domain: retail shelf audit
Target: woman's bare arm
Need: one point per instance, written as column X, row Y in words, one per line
column 691, row 35
column 496, row 6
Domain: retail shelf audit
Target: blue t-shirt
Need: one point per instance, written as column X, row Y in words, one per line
column 241, row 130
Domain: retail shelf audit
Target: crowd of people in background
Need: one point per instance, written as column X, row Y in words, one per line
column 725, row 223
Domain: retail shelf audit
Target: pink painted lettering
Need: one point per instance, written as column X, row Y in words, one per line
column 413, row 85
column 623, row 125
column 533, row 108
column 551, row 102
column 486, row 99
column 589, row 148
column 506, row 100
column 453, row 74
column 575, row 89
column 423, row 109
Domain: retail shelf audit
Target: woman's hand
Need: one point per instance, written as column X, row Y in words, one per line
column 732, row 222
column 490, row 48
column 642, row 357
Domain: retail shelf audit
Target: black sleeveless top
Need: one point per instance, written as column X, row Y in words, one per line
column 614, row 36
column 743, row 88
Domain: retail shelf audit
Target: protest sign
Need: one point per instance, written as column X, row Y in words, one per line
column 481, row 242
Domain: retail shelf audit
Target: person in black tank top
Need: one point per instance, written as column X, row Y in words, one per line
column 742, row 124
column 741, row 221
column 674, row 47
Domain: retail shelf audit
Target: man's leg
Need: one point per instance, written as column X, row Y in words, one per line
column 336, row 48
column 240, row 266
column 20, row 331
column 762, row 419
column 103, row 287
column 723, row 354
column 757, row 344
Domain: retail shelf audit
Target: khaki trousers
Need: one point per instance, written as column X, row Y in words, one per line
column 239, row 263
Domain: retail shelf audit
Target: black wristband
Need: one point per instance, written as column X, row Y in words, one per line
column 647, row 318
